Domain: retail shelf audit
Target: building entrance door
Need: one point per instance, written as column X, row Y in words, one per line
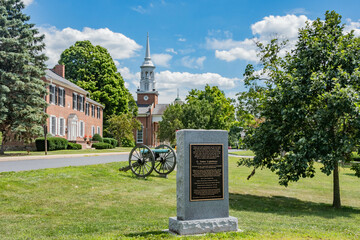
column 72, row 127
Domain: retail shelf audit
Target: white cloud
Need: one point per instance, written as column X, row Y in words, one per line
column 287, row 26
column 190, row 62
column 139, row 9
column 129, row 78
column 118, row 45
column 237, row 53
column 162, row 59
column 283, row 27
column 172, row 80
column 28, row 2
column 353, row 26
column 182, row 39
column 171, row 50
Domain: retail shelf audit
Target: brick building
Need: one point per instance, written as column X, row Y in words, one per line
column 149, row 110
column 72, row 115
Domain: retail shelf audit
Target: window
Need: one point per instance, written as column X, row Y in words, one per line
column 82, row 129
column 61, row 127
column 74, row 101
column 98, row 112
column 56, row 95
column 87, row 109
column 139, row 135
column 92, row 130
column 92, row 110
column 80, row 103
column 61, row 100
column 98, row 130
column 52, row 94
column 53, row 125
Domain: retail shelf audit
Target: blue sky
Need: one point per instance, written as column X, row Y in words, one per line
column 192, row 42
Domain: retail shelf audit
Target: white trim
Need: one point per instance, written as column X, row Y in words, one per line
column 52, row 85
column 76, row 105
column 61, row 133
column 63, row 95
column 98, row 130
column 142, row 135
column 92, row 130
column 81, row 128
column 51, row 127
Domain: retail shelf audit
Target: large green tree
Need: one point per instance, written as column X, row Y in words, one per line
column 21, row 67
column 204, row 109
column 92, row 68
column 170, row 123
column 311, row 105
column 121, row 127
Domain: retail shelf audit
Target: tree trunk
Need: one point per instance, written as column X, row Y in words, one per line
column 336, row 184
column 2, row 146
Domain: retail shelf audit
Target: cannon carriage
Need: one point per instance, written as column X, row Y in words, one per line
column 143, row 160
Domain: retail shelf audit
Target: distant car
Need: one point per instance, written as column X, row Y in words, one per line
column 229, row 147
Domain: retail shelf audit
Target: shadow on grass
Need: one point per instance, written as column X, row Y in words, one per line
column 287, row 206
column 148, row 234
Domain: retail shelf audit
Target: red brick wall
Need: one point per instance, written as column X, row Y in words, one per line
column 153, row 98
column 65, row 111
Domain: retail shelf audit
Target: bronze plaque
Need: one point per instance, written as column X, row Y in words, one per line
column 206, row 172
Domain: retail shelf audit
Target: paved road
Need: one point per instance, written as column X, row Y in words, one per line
column 33, row 164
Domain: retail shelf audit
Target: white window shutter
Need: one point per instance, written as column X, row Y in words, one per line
column 84, row 129
column 50, row 126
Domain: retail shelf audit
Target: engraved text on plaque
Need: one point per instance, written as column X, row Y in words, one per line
column 206, row 172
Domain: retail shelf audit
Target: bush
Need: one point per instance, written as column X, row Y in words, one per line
column 111, row 141
column 97, row 137
column 114, row 142
column 74, row 146
column 53, row 143
column 102, row 145
column 356, row 167
column 127, row 143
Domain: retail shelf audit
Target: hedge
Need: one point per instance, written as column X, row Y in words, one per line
column 97, row 137
column 74, row 146
column 127, row 143
column 102, row 145
column 111, row 141
column 53, row 143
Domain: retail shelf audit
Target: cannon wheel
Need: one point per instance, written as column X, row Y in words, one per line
column 165, row 162
column 141, row 161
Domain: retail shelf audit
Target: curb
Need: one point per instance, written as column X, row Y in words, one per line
column 21, row 158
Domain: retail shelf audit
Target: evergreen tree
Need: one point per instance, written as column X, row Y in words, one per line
column 21, row 67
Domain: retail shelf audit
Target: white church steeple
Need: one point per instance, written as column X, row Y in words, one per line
column 147, row 80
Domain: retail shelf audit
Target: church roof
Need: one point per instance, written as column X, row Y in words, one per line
column 160, row 109
column 143, row 108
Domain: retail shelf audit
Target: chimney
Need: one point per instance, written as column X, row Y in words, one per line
column 59, row 70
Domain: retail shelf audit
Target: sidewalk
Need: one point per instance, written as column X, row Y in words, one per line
column 19, row 158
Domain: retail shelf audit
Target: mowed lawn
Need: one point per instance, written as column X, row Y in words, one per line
column 99, row 202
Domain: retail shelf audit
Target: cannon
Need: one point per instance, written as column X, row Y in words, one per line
column 143, row 160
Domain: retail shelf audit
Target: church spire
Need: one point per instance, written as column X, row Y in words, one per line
column 147, row 54
column 147, row 80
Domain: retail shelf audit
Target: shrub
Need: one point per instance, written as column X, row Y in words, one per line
column 114, row 142
column 97, row 137
column 111, row 141
column 127, row 143
column 74, row 146
column 356, row 167
column 102, row 145
column 53, row 143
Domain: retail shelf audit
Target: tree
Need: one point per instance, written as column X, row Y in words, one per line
column 311, row 105
column 170, row 123
column 92, row 68
column 204, row 109
column 21, row 67
column 121, row 127
column 208, row 109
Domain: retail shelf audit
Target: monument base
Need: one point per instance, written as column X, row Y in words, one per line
column 199, row 226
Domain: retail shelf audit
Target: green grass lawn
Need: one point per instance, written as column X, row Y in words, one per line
column 243, row 153
column 99, row 202
column 59, row 152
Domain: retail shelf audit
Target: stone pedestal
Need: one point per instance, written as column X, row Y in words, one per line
column 202, row 183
